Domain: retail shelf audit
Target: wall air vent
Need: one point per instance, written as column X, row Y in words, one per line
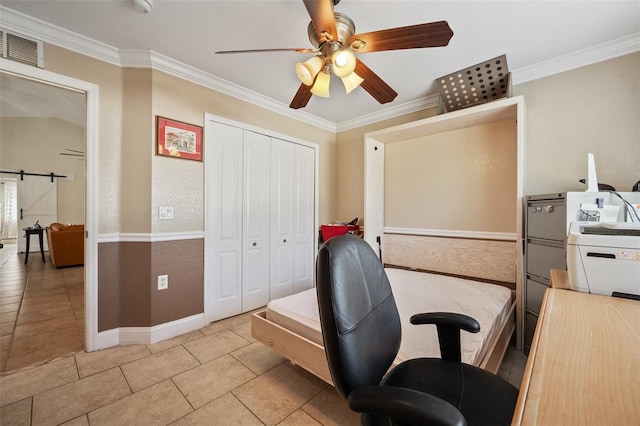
column 21, row 48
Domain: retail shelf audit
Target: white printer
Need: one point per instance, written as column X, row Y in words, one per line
column 603, row 258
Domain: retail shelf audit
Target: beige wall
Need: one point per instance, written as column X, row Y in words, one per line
column 133, row 182
column 590, row 109
column 184, row 101
column 136, row 151
column 35, row 144
column 350, row 165
column 109, row 79
column 459, row 180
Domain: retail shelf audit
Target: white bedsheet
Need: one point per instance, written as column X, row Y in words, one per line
column 414, row 292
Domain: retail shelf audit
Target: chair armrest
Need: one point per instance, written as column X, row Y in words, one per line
column 407, row 405
column 461, row 321
column 449, row 325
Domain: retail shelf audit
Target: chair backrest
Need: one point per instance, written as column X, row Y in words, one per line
column 358, row 314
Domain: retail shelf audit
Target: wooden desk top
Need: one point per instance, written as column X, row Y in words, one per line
column 584, row 364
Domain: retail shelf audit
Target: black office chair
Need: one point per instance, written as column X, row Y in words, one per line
column 361, row 331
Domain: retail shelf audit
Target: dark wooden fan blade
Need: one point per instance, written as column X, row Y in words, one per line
column 321, row 13
column 374, row 85
column 302, row 97
column 432, row 34
column 294, row 49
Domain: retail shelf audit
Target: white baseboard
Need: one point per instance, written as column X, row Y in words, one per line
column 107, row 339
column 149, row 335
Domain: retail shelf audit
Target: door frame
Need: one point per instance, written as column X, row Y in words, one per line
column 91, row 91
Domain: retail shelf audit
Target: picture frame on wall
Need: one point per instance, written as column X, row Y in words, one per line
column 178, row 139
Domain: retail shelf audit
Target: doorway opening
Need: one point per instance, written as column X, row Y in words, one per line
column 83, row 178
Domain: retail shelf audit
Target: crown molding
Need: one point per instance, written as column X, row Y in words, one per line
column 594, row 54
column 35, row 28
column 49, row 33
column 389, row 112
column 157, row 61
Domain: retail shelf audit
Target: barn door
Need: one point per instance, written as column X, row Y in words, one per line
column 37, row 202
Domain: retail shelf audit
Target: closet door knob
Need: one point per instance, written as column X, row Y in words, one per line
column 284, row 241
column 254, row 244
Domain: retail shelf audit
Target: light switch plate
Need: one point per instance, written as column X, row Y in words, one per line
column 165, row 212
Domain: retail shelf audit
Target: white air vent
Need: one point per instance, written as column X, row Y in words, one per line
column 23, row 49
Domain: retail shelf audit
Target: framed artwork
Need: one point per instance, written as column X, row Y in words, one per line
column 178, row 140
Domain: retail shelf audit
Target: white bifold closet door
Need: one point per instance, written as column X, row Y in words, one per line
column 292, row 229
column 225, row 188
column 255, row 222
column 263, row 219
column 241, row 218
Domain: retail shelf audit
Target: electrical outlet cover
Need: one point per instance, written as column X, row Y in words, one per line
column 163, row 282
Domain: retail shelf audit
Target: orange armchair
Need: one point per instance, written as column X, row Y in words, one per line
column 66, row 244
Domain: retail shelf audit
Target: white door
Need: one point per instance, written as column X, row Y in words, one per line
column 292, row 217
column 256, row 205
column 224, row 273
column 37, row 202
column 304, row 230
column 282, row 198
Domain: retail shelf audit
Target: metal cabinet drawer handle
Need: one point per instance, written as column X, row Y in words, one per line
column 546, row 209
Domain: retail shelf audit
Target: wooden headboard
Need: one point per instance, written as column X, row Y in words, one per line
column 484, row 259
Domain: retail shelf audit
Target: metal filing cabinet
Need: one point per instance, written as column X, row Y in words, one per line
column 545, row 250
column 547, row 222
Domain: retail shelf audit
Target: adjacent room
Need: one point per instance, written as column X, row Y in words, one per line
column 291, row 211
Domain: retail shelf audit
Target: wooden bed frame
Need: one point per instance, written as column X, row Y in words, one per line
column 480, row 259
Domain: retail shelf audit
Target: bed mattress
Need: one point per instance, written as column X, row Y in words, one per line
column 414, row 292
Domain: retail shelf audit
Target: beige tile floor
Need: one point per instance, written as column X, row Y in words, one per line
column 41, row 309
column 216, row 375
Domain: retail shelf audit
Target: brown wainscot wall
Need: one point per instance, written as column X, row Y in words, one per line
column 128, row 294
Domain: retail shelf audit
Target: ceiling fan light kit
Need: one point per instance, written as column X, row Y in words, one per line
column 344, row 62
column 333, row 36
column 307, row 70
column 321, row 86
column 351, row 81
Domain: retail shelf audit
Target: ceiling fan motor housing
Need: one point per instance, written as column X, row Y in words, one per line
column 345, row 29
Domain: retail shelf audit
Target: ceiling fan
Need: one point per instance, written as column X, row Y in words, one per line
column 333, row 36
column 73, row 153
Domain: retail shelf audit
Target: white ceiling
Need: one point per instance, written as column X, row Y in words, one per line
column 538, row 38
column 27, row 98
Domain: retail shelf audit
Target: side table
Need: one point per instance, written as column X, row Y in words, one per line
column 28, row 232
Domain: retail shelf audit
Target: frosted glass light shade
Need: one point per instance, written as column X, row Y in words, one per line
column 344, row 62
column 351, row 81
column 307, row 70
column 321, row 86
